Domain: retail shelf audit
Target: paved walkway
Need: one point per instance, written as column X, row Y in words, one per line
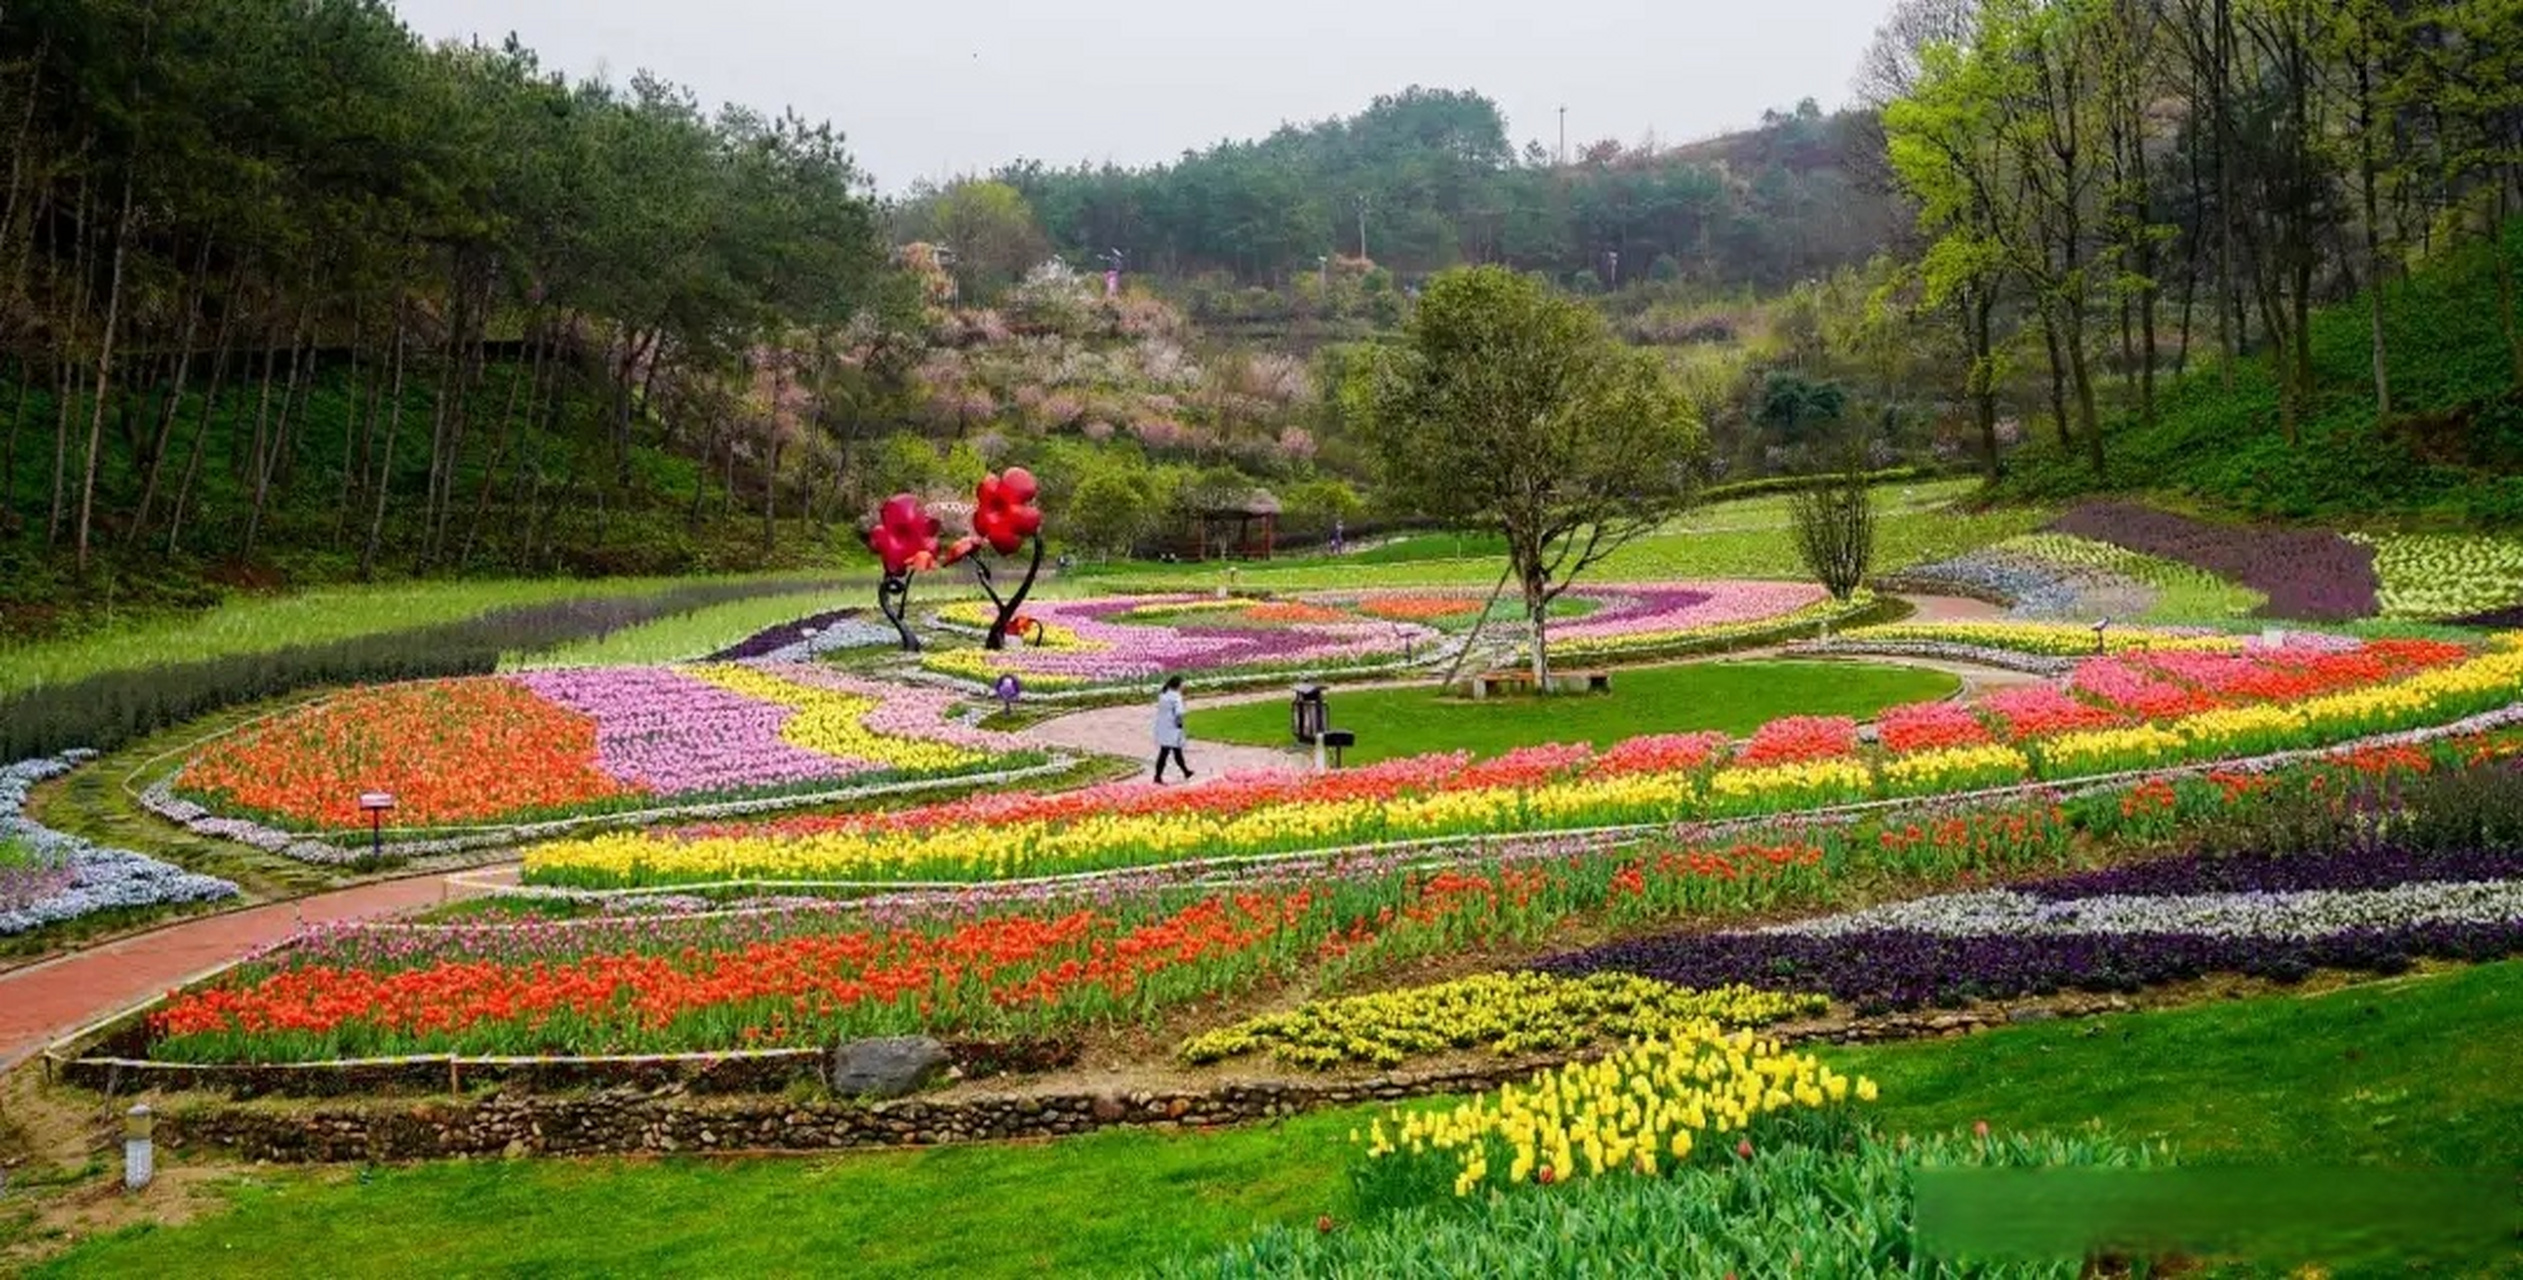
column 42, row 1002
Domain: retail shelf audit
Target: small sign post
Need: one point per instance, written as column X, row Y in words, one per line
column 2098, row 634
column 376, row 804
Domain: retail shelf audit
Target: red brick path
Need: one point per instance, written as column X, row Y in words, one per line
column 43, row 1001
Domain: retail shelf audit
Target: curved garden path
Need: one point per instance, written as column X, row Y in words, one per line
column 42, row 1002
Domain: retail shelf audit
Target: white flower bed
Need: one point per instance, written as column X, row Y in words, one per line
column 87, row 877
column 2306, row 914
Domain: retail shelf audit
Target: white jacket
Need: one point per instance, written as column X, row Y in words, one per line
column 1169, row 718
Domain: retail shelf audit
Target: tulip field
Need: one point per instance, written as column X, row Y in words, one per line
column 1644, row 946
column 2119, row 713
column 491, row 749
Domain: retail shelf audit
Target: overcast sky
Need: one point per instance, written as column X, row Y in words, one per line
column 930, row 89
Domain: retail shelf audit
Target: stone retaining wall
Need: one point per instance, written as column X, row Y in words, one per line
column 627, row 1121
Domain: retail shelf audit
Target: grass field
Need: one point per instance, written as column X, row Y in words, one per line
column 2411, row 1072
column 1735, row 697
column 1719, row 542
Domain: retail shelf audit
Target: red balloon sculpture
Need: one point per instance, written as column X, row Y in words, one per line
column 905, row 541
column 1004, row 518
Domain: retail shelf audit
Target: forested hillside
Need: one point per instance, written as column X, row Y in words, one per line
column 275, row 277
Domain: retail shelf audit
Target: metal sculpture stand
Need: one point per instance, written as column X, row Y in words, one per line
column 893, row 596
column 997, row 638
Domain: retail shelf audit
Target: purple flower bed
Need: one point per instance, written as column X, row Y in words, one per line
column 1907, row 969
column 763, row 644
column 673, row 734
column 2118, row 929
column 2354, row 869
column 2309, row 574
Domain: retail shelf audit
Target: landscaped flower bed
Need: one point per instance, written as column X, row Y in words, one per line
column 2446, row 576
column 1131, row 639
column 501, row 749
column 1002, row 962
column 2309, row 574
column 1501, row 1013
column 50, row 877
column 2371, row 897
column 1791, row 765
column 1128, row 640
column 1645, row 1108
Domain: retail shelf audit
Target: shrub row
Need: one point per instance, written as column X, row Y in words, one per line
column 107, row 710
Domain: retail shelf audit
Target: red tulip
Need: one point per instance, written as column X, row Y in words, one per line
column 1744, row 1148
column 1544, row 1175
column 1324, row 1224
column 1980, row 1128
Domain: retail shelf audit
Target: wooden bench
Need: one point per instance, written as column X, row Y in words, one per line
column 1489, row 682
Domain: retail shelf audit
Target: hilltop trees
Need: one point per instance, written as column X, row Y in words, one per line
column 477, row 281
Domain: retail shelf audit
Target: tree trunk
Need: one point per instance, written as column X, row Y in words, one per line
column 1983, row 375
column 201, row 423
column 1537, row 608
column 104, row 372
column 385, row 457
column 2058, row 377
column 165, row 433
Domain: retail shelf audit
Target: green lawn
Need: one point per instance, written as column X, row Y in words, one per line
column 1738, row 539
column 2414, row 1071
column 1736, row 697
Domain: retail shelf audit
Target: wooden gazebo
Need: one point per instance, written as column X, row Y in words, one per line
column 1215, row 520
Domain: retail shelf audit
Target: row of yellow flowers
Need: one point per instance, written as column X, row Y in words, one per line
column 961, row 850
column 833, row 723
column 2049, row 639
column 1509, row 1013
column 1642, row 1110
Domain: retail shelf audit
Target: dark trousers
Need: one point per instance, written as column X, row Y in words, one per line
column 1174, row 754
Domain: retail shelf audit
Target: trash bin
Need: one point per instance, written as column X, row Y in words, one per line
column 1308, row 714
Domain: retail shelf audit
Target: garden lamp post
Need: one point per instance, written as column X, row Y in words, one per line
column 140, row 1153
column 376, row 804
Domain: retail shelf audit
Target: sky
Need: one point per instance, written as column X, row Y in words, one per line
column 931, row 93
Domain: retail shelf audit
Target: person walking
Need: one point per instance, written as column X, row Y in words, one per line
column 1169, row 729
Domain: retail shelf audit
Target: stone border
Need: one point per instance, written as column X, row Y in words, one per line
column 668, row 1118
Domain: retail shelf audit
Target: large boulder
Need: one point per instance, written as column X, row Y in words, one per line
column 893, row 1067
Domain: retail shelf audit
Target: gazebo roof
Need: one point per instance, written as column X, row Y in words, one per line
column 1259, row 502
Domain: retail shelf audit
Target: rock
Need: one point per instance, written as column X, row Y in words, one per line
column 893, row 1067
column 516, row 1149
column 2033, row 1014
column 1109, row 1108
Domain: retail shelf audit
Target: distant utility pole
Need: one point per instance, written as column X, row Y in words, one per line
column 1563, row 135
column 1362, row 227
